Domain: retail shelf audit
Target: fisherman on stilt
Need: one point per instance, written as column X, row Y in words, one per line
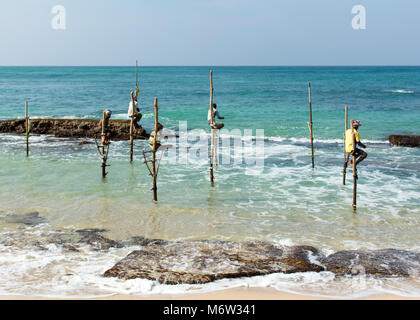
column 352, row 140
column 215, row 125
column 105, row 134
column 134, row 111
column 152, row 137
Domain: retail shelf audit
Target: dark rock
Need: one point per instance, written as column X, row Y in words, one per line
column 70, row 240
column 84, row 142
column 73, row 128
column 197, row 262
column 90, row 231
column 142, row 241
column 96, row 240
column 404, row 140
column 70, row 247
column 384, row 263
column 30, row 219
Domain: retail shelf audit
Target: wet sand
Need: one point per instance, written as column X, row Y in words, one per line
column 230, row 294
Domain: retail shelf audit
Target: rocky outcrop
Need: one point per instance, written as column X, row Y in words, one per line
column 72, row 128
column 404, row 140
column 383, row 263
column 94, row 238
column 71, row 240
column 203, row 261
column 197, row 262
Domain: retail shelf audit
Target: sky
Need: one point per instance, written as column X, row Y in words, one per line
column 209, row 32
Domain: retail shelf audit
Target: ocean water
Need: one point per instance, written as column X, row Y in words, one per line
column 286, row 201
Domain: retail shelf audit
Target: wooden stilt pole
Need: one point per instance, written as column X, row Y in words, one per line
column 346, row 155
column 212, row 130
column 354, row 166
column 154, row 171
column 103, row 146
column 311, row 126
column 132, row 129
column 132, row 117
column 354, row 187
column 27, row 127
column 137, row 76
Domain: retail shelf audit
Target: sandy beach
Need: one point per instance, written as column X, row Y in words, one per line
column 230, row 294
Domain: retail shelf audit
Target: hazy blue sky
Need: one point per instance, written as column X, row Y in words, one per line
column 209, row 32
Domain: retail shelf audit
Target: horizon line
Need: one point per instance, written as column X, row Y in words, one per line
column 234, row 66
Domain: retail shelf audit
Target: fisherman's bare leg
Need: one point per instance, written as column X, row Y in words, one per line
column 361, row 158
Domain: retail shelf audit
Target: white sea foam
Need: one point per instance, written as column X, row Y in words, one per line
column 56, row 273
column 120, row 116
column 401, row 91
column 325, row 141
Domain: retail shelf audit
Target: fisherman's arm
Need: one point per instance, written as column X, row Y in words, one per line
column 217, row 114
column 361, row 144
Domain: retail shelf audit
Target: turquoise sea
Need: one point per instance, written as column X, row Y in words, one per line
column 286, row 202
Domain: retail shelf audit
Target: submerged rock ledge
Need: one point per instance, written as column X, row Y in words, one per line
column 72, row 128
column 199, row 262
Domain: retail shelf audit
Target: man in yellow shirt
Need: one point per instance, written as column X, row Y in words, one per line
column 352, row 140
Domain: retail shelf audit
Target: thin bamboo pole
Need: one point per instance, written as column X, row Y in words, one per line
column 354, row 186
column 346, row 156
column 132, row 129
column 27, row 127
column 103, row 146
column 154, row 171
column 212, row 130
column 311, row 126
column 346, row 126
column 354, row 165
column 132, row 117
column 137, row 75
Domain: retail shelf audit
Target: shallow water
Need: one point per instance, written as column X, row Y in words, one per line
column 287, row 202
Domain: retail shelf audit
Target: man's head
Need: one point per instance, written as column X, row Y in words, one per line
column 356, row 124
column 160, row 126
column 214, row 105
column 108, row 113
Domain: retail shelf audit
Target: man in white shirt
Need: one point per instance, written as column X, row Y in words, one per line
column 215, row 125
column 134, row 111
